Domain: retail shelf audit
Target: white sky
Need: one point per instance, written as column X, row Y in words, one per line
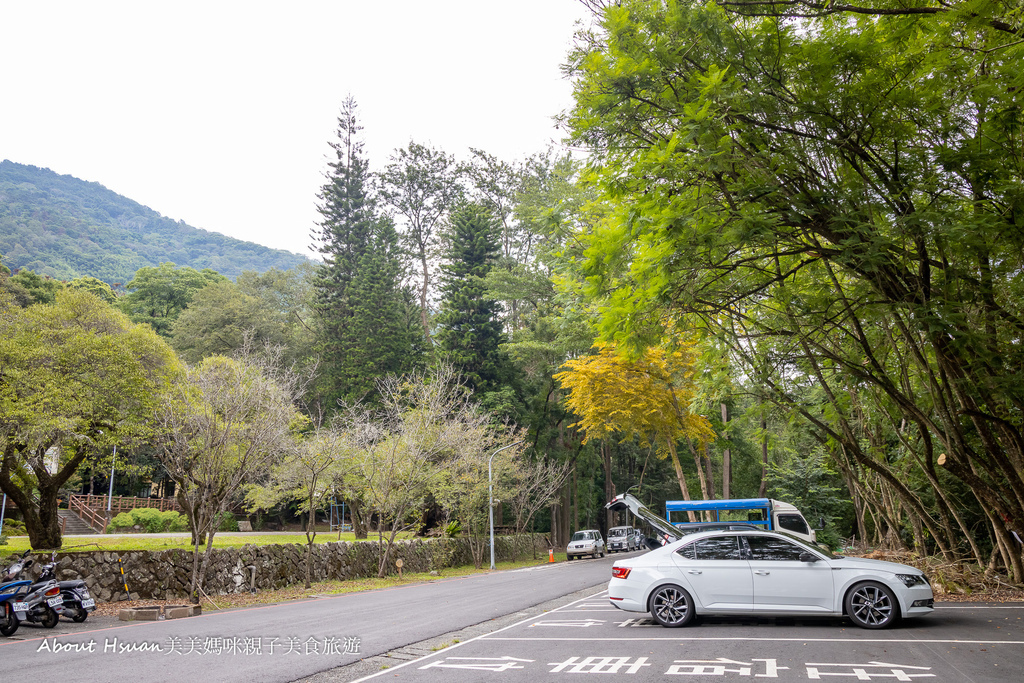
column 219, row 113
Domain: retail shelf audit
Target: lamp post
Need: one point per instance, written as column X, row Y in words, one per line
column 490, row 494
column 110, row 491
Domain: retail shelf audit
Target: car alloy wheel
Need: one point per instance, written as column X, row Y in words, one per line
column 671, row 606
column 872, row 605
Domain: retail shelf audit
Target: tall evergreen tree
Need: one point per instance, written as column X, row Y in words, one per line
column 358, row 291
column 469, row 330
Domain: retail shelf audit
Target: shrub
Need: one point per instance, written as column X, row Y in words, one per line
column 14, row 527
column 150, row 520
column 122, row 521
column 227, row 522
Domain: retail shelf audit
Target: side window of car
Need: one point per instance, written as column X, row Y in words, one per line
column 771, row 548
column 793, row 523
column 688, row 551
column 718, row 548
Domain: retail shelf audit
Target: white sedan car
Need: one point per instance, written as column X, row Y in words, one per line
column 765, row 573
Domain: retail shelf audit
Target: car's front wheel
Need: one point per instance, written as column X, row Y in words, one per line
column 872, row 605
column 671, row 606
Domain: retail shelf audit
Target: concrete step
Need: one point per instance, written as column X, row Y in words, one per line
column 73, row 524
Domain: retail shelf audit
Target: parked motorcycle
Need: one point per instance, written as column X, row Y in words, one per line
column 75, row 594
column 39, row 602
column 10, row 590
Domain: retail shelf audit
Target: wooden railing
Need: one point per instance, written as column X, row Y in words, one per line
column 94, row 518
column 121, row 503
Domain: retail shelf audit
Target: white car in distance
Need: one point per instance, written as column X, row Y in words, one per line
column 586, row 542
column 765, row 573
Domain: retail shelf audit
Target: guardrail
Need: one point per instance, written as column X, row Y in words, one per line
column 122, row 503
column 94, row 518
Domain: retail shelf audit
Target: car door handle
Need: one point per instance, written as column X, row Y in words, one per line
column 694, row 571
column 761, row 572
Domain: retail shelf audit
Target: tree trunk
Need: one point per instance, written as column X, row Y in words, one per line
column 358, row 521
column 762, row 489
column 609, row 486
column 726, row 458
column 680, row 477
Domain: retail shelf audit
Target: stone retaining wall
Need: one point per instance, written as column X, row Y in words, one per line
column 165, row 574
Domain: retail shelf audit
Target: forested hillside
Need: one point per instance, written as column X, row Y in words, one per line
column 64, row 227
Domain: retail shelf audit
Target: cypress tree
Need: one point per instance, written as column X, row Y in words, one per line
column 358, row 292
column 469, row 330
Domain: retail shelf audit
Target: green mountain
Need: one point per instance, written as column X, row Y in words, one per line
column 65, row 228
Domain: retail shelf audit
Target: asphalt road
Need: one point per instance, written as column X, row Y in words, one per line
column 957, row 643
column 288, row 641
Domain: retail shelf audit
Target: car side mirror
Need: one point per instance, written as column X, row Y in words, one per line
column 808, row 557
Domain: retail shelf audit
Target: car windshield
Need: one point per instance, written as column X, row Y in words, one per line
column 618, row 532
column 582, row 536
column 816, row 548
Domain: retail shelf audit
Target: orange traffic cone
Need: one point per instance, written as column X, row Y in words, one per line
column 551, row 555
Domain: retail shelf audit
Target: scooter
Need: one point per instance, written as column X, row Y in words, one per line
column 39, row 603
column 75, row 594
column 10, row 589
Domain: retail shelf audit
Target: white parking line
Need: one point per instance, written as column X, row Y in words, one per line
column 391, row 670
column 623, row 638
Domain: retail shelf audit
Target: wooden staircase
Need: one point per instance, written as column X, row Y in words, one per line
column 72, row 524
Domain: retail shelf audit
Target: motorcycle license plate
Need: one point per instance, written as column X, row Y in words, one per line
column 87, row 603
column 56, row 601
column 20, row 606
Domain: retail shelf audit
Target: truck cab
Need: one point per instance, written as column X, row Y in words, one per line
column 764, row 513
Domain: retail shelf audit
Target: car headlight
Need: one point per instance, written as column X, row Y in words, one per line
column 911, row 580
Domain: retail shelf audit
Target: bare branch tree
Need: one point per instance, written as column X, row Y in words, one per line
column 221, row 427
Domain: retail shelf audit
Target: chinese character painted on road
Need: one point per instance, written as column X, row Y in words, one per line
column 717, row 667
column 599, row 665
column 478, row 663
column 633, row 623
column 861, row 671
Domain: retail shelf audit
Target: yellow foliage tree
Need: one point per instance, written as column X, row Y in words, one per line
column 647, row 397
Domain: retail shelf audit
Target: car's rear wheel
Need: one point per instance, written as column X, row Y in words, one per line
column 872, row 605
column 671, row 606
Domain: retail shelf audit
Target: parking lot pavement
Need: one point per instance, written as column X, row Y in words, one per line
column 958, row 642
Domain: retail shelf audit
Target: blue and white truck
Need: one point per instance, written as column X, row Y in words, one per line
column 764, row 513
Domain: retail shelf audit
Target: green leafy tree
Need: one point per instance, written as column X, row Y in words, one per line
column 422, row 185
column 468, row 328
column 94, row 286
column 76, row 378
column 157, row 296
column 41, row 289
column 358, row 291
column 835, row 192
column 221, row 427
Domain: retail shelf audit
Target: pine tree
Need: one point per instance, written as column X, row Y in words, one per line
column 469, row 330
column 359, row 296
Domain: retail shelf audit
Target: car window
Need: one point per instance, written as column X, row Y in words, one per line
column 794, row 523
column 717, row 548
column 617, row 532
column 688, row 551
column 773, row 548
column 579, row 536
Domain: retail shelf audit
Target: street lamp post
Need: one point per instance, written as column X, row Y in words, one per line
column 490, row 494
column 110, row 491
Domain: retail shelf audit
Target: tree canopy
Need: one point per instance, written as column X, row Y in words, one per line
column 835, row 191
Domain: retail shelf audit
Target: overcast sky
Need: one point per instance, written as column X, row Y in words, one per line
column 219, row 113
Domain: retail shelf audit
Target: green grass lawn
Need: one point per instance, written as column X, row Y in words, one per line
column 19, row 544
